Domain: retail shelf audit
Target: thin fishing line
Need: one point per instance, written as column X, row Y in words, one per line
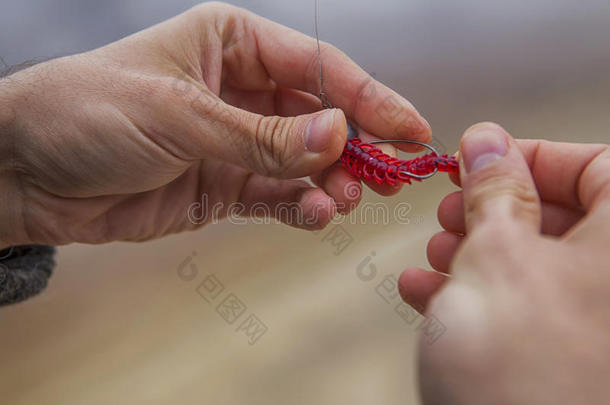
column 323, row 98
column 357, row 160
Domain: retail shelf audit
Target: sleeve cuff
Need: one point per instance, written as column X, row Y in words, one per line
column 24, row 271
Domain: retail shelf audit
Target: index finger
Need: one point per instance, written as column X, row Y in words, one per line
column 562, row 171
column 291, row 60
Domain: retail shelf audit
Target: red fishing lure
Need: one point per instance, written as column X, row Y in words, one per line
column 366, row 161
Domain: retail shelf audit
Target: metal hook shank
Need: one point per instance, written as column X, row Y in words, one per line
column 425, row 145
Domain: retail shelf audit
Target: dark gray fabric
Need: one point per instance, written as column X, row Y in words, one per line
column 24, row 272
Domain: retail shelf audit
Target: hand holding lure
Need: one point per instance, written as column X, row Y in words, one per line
column 368, row 162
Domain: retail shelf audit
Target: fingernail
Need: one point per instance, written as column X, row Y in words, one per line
column 319, row 130
column 481, row 145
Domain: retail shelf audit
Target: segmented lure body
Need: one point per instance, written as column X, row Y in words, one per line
column 369, row 162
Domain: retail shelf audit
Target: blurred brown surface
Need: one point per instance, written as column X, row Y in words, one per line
column 118, row 324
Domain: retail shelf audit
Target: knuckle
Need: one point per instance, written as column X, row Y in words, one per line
column 212, row 6
column 272, row 140
column 224, row 18
column 330, row 48
column 362, row 97
column 222, row 13
column 496, row 235
column 312, row 71
column 522, row 199
column 594, row 184
column 492, row 126
column 496, row 252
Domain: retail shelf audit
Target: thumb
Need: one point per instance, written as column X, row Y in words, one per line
column 498, row 185
column 281, row 147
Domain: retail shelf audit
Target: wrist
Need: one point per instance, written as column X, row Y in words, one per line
column 8, row 116
column 11, row 211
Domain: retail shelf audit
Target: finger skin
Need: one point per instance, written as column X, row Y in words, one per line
column 335, row 180
column 594, row 193
column 441, row 250
column 292, row 202
column 451, row 213
column 291, row 60
column 281, row 101
column 272, row 146
column 341, row 185
column 416, row 286
column 560, row 170
column 291, row 102
column 557, row 168
column 502, row 192
column 556, row 220
column 168, row 114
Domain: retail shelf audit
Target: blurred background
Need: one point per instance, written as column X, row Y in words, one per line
column 260, row 313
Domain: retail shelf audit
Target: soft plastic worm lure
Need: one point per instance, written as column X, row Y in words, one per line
column 368, row 162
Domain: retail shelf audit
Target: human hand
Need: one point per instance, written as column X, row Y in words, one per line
column 117, row 143
column 527, row 304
